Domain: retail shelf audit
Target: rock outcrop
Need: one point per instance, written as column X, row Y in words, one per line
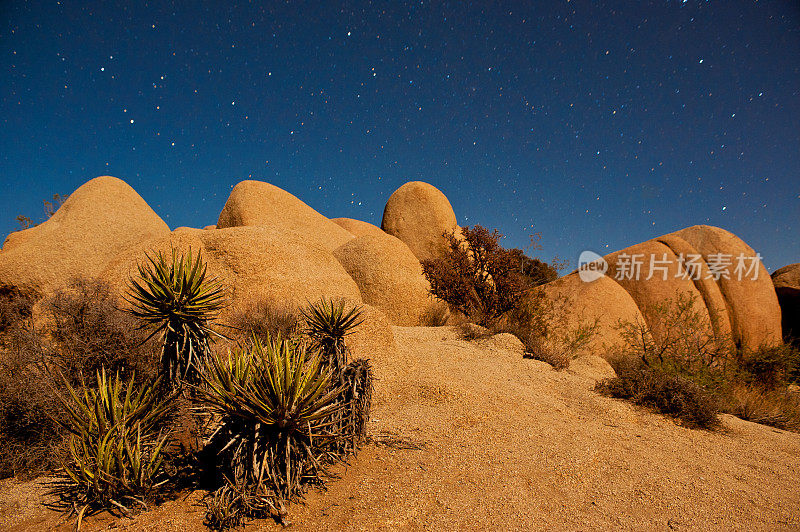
column 602, row 303
column 388, row 275
column 358, row 228
column 99, row 220
column 257, row 263
column 419, row 214
column 255, row 203
column 787, row 288
column 755, row 315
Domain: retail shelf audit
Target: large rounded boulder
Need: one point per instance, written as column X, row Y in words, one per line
column 255, row 263
column 651, row 273
column 388, row 275
column 97, row 221
column 787, row 288
column 255, row 203
column 745, row 284
column 599, row 305
column 419, row 214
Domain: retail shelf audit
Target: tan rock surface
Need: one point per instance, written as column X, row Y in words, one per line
column 651, row 291
column 101, row 218
column 357, row 227
column 752, row 304
column 467, row 438
column 257, row 263
column 603, row 301
column 388, row 275
column 706, row 285
column 262, row 204
column 419, row 214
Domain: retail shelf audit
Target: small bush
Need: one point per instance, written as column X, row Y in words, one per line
column 436, row 314
column 478, row 277
column 668, row 394
column 263, row 321
column 85, row 332
column 16, row 306
column 774, row 407
column 770, row 367
column 89, row 332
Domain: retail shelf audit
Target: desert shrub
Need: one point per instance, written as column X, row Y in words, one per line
column 749, row 384
column 668, row 394
column 687, row 343
column 264, row 320
column 50, row 208
column 542, row 324
column 16, row 306
column 115, row 449
column 176, row 301
column 436, row 314
column 478, row 277
column 89, row 332
column 31, row 441
column 775, row 407
column 770, row 367
column 537, row 271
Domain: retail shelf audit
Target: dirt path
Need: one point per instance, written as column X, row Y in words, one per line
column 473, row 436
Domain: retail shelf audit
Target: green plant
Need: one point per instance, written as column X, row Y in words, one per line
column 275, row 402
column 327, row 324
column 684, row 340
column 115, row 450
column 480, row 278
column 668, row 394
column 178, row 302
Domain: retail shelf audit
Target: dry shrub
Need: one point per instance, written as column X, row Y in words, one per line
column 471, row 332
column 436, row 314
column 542, row 324
column 89, row 333
column 537, row 348
column 480, row 278
column 263, row 320
column 775, row 407
column 750, row 384
column 672, row 395
column 85, row 332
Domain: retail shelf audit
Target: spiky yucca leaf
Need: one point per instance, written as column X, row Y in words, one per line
column 327, row 323
column 275, row 400
column 115, row 451
column 279, row 384
column 178, row 302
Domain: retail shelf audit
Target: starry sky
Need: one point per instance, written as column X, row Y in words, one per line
column 598, row 124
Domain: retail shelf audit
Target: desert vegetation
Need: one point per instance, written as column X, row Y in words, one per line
column 692, row 372
column 479, row 281
column 103, row 395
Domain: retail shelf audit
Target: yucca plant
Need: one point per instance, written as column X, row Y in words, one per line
column 275, row 402
column 175, row 298
column 115, row 449
column 327, row 323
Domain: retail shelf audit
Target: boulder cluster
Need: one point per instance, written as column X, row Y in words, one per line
column 269, row 245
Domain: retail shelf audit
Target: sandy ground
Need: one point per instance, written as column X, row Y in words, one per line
column 473, row 436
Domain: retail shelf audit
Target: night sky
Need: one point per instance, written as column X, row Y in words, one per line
column 598, row 124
